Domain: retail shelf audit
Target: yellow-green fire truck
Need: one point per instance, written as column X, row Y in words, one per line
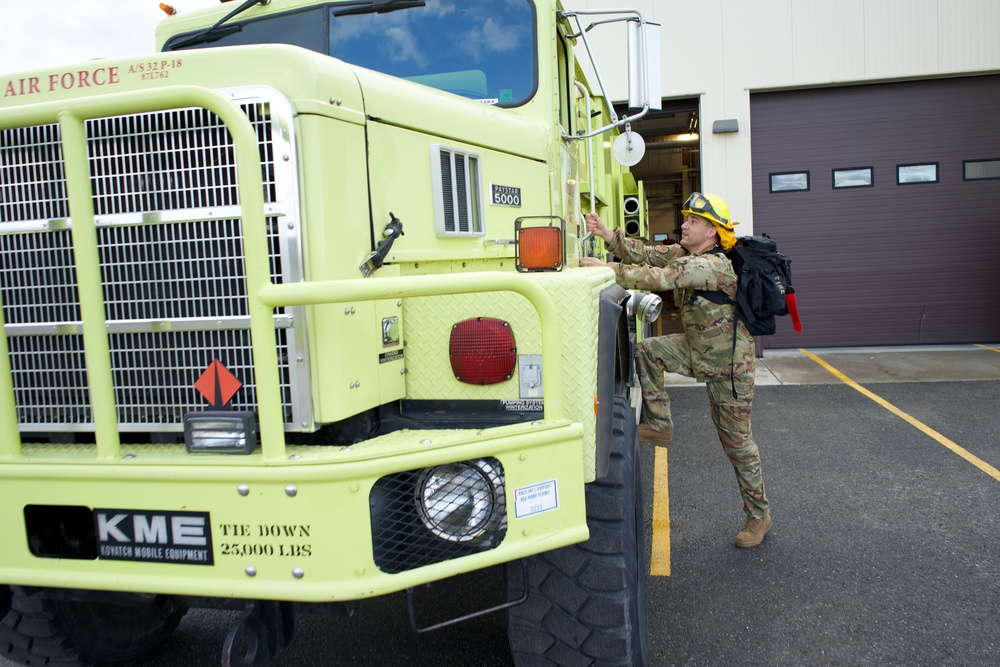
column 293, row 317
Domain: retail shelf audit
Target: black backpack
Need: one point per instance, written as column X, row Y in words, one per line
column 764, row 287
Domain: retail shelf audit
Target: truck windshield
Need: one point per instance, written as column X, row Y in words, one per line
column 479, row 49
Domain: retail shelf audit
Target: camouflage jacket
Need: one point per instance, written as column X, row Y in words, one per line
column 708, row 326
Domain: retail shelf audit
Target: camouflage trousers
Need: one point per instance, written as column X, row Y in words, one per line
column 731, row 416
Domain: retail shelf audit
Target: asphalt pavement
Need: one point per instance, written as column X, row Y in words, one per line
column 882, row 469
column 885, row 548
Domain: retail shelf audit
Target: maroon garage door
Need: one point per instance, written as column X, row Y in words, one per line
column 887, row 199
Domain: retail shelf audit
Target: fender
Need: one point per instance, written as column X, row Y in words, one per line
column 614, row 367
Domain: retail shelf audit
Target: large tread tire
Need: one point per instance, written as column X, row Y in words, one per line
column 39, row 630
column 586, row 603
column 4, row 600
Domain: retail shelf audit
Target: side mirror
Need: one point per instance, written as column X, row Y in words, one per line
column 644, row 84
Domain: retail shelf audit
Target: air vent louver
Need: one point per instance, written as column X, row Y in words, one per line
column 458, row 205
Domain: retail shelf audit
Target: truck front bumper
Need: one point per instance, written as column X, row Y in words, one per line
column 310, row 528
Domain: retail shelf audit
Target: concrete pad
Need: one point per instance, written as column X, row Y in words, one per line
column 890, row 364
column 871, row 365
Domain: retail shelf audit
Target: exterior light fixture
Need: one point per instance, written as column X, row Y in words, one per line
column 220, row 432
column 540, row 248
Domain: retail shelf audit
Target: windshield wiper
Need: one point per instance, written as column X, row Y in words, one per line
column 379, row 7
column 216, row 30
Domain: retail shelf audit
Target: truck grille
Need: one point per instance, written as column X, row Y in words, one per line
column 168, row 220
column 179, row 159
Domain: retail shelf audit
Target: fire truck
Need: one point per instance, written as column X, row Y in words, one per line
column 293, row 317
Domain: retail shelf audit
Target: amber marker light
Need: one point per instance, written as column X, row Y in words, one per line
column 539, row 249
column 167, row 9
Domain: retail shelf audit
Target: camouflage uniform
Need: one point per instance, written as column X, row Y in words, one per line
column 704, row 351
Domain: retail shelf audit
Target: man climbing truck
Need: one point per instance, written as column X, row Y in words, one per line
column 293, row 316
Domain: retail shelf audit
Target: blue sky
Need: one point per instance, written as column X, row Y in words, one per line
column 52, row 33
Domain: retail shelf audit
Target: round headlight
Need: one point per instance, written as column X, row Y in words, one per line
column 458, row 502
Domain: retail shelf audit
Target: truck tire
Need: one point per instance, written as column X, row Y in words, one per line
column 586, row 603
column 4, row 600
column 45, row 631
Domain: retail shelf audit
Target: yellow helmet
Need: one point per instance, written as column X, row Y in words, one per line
column 712, row 207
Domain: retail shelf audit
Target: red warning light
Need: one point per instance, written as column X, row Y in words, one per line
column 482, row 351
column 217, row 384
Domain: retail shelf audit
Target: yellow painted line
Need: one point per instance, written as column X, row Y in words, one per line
column 968, row 456
column 987, row 347
column 659, row 560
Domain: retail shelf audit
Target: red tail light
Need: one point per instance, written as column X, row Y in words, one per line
column 482, row 351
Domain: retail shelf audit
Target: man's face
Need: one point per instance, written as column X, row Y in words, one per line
column 697, row 234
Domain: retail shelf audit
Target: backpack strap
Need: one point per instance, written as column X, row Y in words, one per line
column 715, row 296
column 746, row 312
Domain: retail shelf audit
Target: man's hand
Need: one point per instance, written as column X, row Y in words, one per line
column 596, row 226
column 591, row 261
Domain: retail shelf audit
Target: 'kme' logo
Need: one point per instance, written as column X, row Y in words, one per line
column 159, row 537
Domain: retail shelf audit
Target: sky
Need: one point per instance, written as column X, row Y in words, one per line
column 50, row 33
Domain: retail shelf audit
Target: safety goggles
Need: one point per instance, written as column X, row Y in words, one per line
column 698, row 203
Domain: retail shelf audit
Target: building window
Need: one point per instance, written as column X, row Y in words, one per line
column 790, row 181
column 855, row 177
column 917, row 173
column 981, row 170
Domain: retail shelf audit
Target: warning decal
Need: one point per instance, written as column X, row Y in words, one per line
column 217, row 384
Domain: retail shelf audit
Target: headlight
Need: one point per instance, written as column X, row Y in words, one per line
column 460, row 502
column 220, row 432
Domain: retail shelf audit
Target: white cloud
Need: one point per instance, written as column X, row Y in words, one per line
column 51, row 33
column 402, row 47
column 492, row 37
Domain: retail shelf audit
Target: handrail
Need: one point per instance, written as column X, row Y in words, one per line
column 339, row 291
column 582, row 34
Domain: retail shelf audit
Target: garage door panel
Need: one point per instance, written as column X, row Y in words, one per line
column 889, row 264
column 907, row 325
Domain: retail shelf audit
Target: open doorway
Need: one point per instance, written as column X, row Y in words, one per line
column 671, row 168
column 670, row 172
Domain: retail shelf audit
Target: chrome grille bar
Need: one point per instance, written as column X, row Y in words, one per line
column 38, row 278
column 34, row 183
column 170, row 243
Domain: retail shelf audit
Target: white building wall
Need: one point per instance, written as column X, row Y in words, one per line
column 721, row 50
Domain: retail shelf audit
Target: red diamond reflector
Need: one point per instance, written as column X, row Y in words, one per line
column 482, row 351
column 217, row 384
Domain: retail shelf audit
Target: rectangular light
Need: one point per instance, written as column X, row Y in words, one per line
column 220, row 432
column 539, row 248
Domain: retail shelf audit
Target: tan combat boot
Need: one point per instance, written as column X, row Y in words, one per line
column 753, row 531
column 659, row 438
